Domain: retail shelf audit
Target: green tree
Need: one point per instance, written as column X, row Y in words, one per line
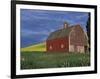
column 88, row 30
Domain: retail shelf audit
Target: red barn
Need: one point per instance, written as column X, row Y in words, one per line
column 68, row 39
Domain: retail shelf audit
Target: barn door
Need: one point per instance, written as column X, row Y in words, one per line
column 75, row 48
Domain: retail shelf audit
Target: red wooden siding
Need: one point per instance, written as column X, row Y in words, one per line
column 57, row 45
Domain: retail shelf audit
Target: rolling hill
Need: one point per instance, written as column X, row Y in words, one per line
column 37, row 47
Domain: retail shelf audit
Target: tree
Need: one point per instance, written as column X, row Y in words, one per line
column 88, row 30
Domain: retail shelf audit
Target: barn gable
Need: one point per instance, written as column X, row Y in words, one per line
column 77, row 35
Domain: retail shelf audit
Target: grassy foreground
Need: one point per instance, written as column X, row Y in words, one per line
column 34, row 60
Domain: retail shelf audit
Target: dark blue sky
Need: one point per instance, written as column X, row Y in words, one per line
column 36, row 25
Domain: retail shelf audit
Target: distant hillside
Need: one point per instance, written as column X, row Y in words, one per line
column 37, row 47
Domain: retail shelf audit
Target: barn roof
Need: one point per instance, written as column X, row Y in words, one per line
column 60, row 33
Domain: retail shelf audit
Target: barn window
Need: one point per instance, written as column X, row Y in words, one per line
column 50, row 47
column 62, row 45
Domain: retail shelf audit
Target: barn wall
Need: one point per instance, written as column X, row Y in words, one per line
column 57, row 45
column 71, row 48
column 79, row 49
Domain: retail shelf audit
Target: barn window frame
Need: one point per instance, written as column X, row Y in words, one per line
column 62, row 46
column 50, row 47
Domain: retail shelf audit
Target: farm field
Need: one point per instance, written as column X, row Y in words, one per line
column 38, row 59
column 36, row 47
